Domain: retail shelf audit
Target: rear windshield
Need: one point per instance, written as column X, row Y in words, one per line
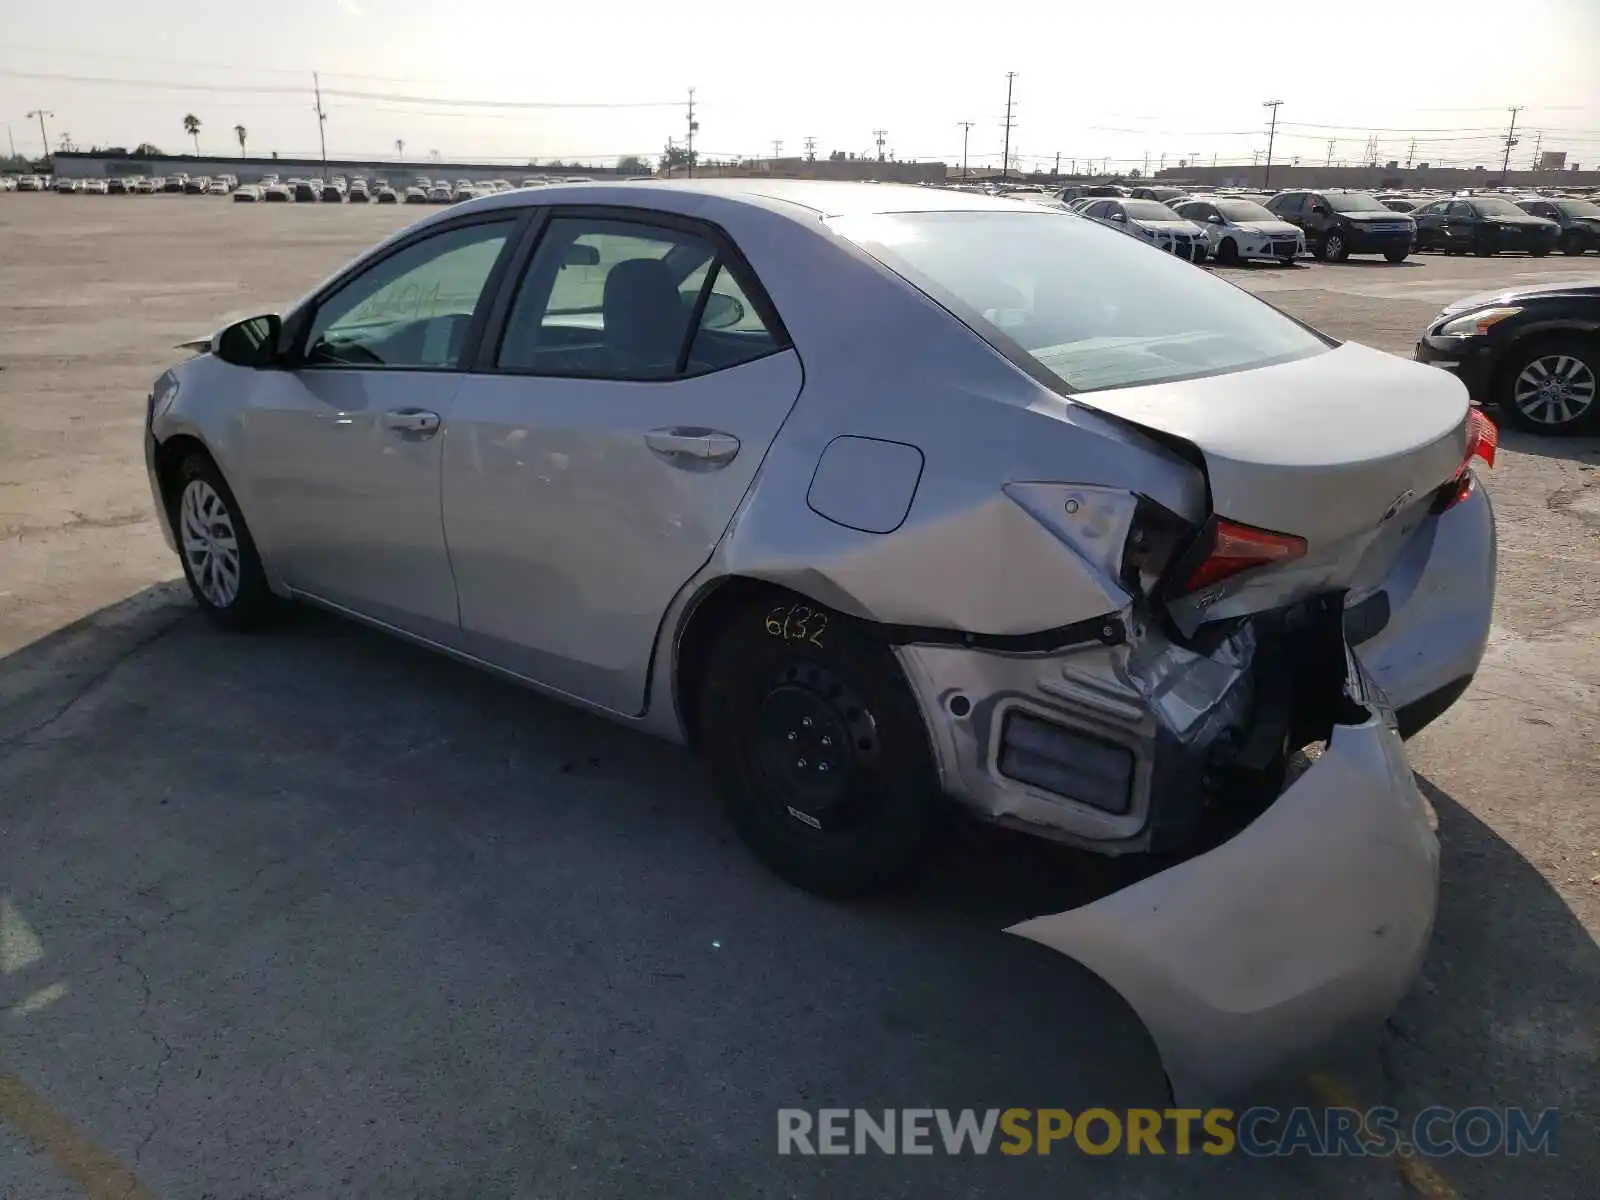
column 1092, row 308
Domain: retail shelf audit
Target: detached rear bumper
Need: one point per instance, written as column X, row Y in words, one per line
column 1304, row 929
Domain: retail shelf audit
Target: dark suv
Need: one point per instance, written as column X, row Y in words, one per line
column 1339, row 223
column 1579, row 221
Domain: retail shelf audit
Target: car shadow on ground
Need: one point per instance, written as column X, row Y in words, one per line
column 1506, row 1014
column 288, row 833
column 1585, row 450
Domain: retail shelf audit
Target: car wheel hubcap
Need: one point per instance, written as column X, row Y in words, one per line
column 816, row 750
column 1335, row 245
column 1554, row 389
column 210, row 543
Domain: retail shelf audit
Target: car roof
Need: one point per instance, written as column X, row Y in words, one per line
column 807, row 198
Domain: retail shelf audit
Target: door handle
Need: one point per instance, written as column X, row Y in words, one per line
column 690, row 447
column 412, row 420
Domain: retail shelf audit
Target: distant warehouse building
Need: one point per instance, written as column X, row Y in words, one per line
column 102, row 165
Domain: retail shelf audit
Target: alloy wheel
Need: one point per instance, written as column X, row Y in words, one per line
column 210, row 543
column 1554, row 389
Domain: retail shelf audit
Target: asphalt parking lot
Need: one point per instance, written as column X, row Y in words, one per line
column 318, row 914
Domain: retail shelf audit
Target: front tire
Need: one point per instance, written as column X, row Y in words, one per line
column 1551, row 387
column 219, row 557
column 1396, row 256
column 1540, row 251
column 818, row 748
column 1572, row 245
column 1331, row 247
column 1228, row 253
column 1483, row 251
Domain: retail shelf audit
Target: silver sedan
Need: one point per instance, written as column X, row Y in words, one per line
column 876, row 495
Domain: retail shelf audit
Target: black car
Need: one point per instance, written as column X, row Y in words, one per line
column 332, row 193
column 307, row 190
column 1579, row 221
column 117, row 186
column 1533, row 353
column 1482, row 225
column 1338, row 224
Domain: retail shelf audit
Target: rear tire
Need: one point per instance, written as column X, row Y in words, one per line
column 1572, row 245
column 1540, row 252
column 1569, row 371
column 818, row 748
column 1483, row 251
column 220, row 563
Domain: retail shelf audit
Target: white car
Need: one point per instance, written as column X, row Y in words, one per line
column 1242, row 229
column 95, row 187
column 30, row 183
column 1153, row 222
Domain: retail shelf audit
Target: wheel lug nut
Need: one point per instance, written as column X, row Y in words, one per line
column 826, row 740
column 801, row 764
column 792, row 735
column 822, row 766
column 806, row 721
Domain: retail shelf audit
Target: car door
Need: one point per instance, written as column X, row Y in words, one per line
column 1428, row 219
column 1291, row 207
column 343, row 441
column 631, row 384
column 1460, row 225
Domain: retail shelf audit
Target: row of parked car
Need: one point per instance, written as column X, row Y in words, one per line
column 360, row 190
column 1233, row 225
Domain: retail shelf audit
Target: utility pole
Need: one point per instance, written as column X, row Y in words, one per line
column 880, row 136
column 1161, row 163
column 1272, row 133
column 1332, row 143
column 43, row 136
column 966, row 129
column 1511, row 140
column 777, row 149
column 1057, row 172
column 1213, row 158
column 1538, row 144
column 1005, row 154
column 322, row 123
column 1147, row 162
column 400, row 149
column 811, row 149
column 11, row 139
column 694, row 127
column 1411, row 153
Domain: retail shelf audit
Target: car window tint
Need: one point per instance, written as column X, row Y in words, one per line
column 731, row 329
column 1092, row 309
column 607, row 300
column 413, row 308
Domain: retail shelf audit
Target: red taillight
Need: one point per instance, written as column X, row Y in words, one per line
column 1483, row 439
column 1236, row 548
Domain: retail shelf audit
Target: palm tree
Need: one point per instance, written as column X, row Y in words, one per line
column 191, row 126
column 400, row 148
column 240, row 132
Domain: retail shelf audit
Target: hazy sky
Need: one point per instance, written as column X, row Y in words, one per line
column 1109, row 78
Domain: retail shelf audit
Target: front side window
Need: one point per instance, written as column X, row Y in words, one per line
column 1288, row 205
column 1091, row 309
column 608, row 299
column 412, row 309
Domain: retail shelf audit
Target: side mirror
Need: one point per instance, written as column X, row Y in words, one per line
column 581, row 255
column 1119, row 217
column 1320, row 209
column 1213, row 220
column 721, row 312
column 251, row 343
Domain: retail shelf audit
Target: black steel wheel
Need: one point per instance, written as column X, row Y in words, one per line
column 818, row 748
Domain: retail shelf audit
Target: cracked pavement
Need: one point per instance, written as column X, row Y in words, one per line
column 333, row 917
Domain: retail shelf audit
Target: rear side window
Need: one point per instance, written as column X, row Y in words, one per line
column 607, row 299
column 1090, row 308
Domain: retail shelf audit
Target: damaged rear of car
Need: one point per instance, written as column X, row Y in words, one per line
column 1262, row 631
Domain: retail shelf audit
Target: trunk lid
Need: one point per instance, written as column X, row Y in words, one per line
column 1345, row 450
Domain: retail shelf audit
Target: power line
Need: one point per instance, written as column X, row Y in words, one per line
column 342, row 93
